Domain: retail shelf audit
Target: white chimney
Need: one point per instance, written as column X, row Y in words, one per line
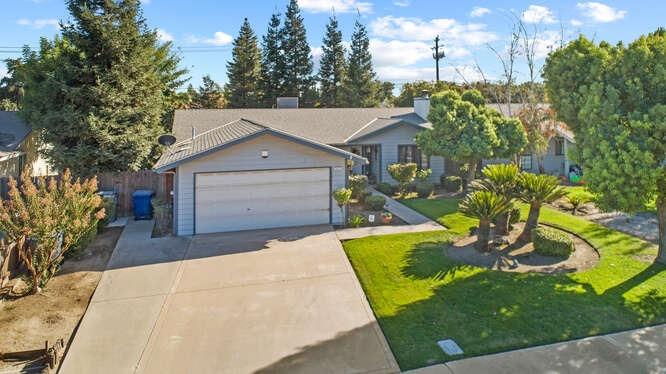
column 422, row 105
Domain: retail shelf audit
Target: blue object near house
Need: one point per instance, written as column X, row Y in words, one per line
column 143, row 209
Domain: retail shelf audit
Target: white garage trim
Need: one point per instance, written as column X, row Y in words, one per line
column 254, row 178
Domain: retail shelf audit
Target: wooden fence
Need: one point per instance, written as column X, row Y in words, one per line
column 124, row 184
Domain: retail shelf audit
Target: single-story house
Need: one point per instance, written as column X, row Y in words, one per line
column 18, row 148
column 241, row 169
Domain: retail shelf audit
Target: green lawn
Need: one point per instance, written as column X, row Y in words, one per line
column 420, row 296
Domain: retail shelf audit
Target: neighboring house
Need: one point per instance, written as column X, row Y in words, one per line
column 18, row 148
column 240, row 169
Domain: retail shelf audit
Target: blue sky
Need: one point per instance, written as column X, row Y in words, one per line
column 401, row 31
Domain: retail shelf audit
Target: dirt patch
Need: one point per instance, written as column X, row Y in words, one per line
column 29, row 321
column 521, row 258
column 360, row 209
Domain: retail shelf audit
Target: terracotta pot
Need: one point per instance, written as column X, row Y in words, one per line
column 386, row 219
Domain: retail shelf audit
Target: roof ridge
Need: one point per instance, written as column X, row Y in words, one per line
column 205, row 132
column 361, row 129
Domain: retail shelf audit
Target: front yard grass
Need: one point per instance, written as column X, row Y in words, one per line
column 421, row 296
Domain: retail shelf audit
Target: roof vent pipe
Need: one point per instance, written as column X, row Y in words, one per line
column 194, row 132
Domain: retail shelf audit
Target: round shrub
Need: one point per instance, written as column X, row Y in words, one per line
column 451, row 183
column 375, row 202
column 358, row 184
column 424, row 189
column 386, row 188
column 551, row 242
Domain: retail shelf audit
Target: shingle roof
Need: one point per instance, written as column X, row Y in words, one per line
column 328, row 126
column 228, row 134
column 13, row 130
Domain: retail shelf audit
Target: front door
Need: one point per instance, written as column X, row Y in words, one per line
column 371, row 153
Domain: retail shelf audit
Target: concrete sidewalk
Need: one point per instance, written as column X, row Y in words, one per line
column 407, row 214
column 636, row 351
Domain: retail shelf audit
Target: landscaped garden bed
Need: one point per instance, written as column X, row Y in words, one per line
column 420, row 295
column 29, row 321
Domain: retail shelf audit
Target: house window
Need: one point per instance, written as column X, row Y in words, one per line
column 412, row 154
column 526, row 162
column 559, row 146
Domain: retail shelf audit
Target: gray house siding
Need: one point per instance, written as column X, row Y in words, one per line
column 390, row 140
column 553, row 163
column 284, row 154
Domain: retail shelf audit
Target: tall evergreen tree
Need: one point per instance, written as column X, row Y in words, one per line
column 98, row 92
column 298, row 62
column 332, row 66
column 272, row 63
column 244, row 70
column 359, row 83
column 209, row 95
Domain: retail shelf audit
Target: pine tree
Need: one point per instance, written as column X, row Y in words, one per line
column 298, row 63
column 244, row 70
column 332, row 66
column 359, row 86
column 209, row 95
column 100, row 92
column 272, row 63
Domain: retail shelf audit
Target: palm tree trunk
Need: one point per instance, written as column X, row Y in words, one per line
column 502, row 225
column 471, row 175
column 532, row 222
column 482, row 236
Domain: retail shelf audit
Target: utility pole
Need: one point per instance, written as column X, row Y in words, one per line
column 438, row 55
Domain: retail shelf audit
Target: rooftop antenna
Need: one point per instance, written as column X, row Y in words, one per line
column 437, row 55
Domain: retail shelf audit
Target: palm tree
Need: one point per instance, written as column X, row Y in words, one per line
column 486, row 206
column 536, row 190
column 502, row 179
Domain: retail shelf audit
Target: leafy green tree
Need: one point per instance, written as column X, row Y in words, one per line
column 272, row 63
column 12, row 85
column 384, row 93
column 620, row 113
column 404, row 174
column 210, row 95
column 297, row 73
column 332, row 66
column 486, row 206
column 501, row 179
column 409, row 91
column 98, row 92
column 359, row 83
column 536, row 190
column 244, row 70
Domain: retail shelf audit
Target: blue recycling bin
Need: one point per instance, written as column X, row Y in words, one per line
column 143, row 209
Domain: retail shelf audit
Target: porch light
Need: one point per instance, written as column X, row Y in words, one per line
column 350, row 163
column 264, row 153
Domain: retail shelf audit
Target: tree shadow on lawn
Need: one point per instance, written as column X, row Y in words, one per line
column 491, row 311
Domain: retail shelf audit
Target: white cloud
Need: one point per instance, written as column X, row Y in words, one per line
column 163, row 36
column 452, row 32
column 448, row 73
column 538, row 14
column 545, row 42
column 600, row 12
column 478, row 11
column 3, row 71
column 39, row 23
column 402, row 3
column 340, row 6
column 404, row 53
column 219, row 38
column 576, row 23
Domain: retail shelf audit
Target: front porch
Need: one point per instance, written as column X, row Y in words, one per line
column 373, row 153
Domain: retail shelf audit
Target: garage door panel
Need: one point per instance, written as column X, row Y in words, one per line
column 231, row 201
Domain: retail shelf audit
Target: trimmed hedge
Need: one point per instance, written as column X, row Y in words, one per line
column 375, row 202
column 551, row 242
column 451, row 183
column 387, row 189
column 358, row 184
column 424, row 189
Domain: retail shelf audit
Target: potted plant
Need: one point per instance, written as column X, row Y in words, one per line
column 386, row 218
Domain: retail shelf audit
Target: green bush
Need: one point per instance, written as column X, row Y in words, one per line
column 514, row 216
column 358, row 184
column 551, row 242
column 404, row 174
column 386, row 188
column 578, row 198
column 109, row 205
column 422, row 175
column 356, row 220
column 424, row 189
column 375, row 202
column 451, row 183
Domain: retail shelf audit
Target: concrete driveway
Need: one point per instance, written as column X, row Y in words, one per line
column 282, row 300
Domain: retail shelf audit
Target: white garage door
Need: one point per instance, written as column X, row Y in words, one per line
column 246, row 200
